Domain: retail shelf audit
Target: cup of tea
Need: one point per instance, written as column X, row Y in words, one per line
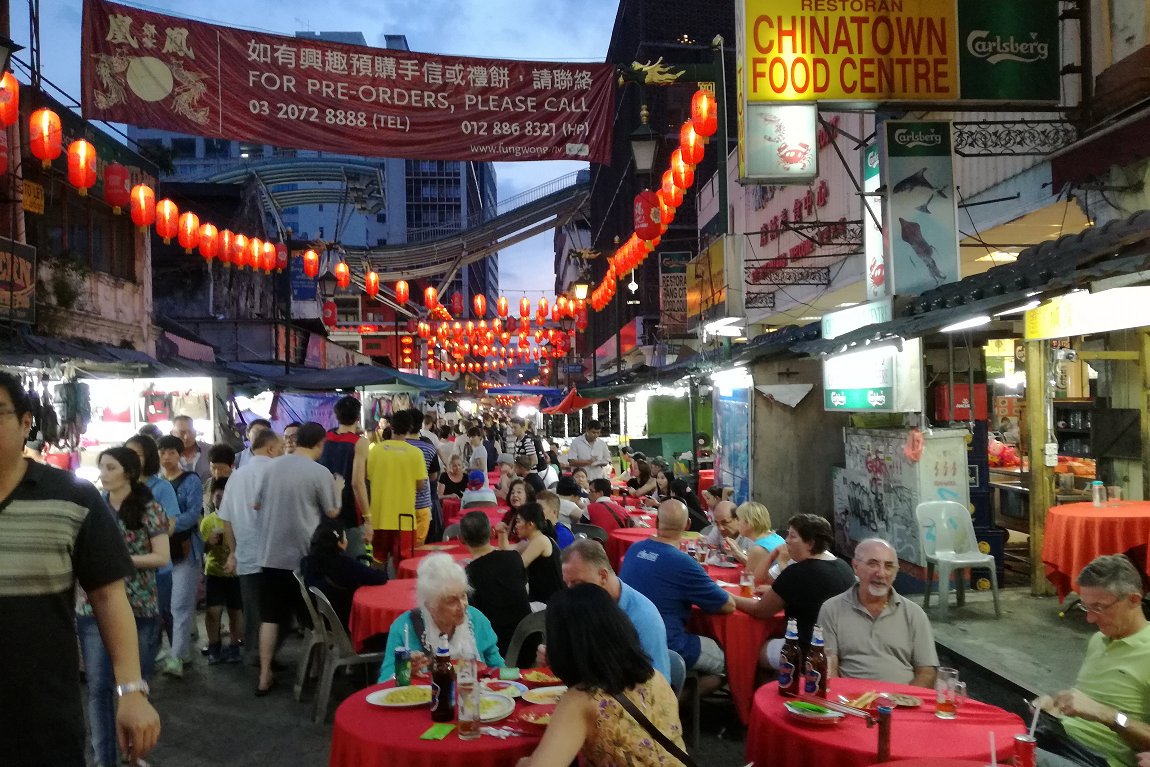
column 948, row 693
column 747, row 584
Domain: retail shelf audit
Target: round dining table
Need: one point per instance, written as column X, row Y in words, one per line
column 620, row 539
column 375, row 608
column 741, row 637
column 777, row 738
column 1077, row 533
column 408, row 567
column 369, row 736
column 932, row 762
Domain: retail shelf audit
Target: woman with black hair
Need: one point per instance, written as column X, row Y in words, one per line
column 539, row 549
column 592, row 646
column 519, row 494
column 145, row 529
column 642, row 483
column 679, row 489
column 328, row 567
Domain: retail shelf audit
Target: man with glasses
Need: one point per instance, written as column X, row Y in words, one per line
column 872, row 631
column 290, row 432
column 1108, row 708
column 590, row 452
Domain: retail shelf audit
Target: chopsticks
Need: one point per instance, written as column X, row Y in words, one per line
column 839, row 707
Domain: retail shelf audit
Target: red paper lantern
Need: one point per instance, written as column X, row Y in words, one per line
column 402, row 292
column 167, row 220
column 456, row 304
column 539, row 336
column 117, row 189
column 524, row 307
column 556, row 312
column 208, row 241
column 281, row 256
column 45, row 136
column 690, row 144
column 704, row 113
column 505, row 338
column 502, row 306
column 524, row 325
column 240, row 251
column 581, row 319
column 143, row 205
column 226, row 244
column 82, row 166
column 431, row 298
column 672, row 193
column 254, row 252
column 647, row 214
column 311, row 264
column 479, row 304
column 457, row 331
column 371, row 284
column 9, row 100
column 342, row 275
column 423, row 329
column 329, row 313
column 268, row 257
column 189, row 234
column 681, row 173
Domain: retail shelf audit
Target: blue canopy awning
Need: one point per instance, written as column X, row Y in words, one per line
column 356, row 376
column 527, row 391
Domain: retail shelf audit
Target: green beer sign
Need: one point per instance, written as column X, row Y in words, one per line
column 1008, row 51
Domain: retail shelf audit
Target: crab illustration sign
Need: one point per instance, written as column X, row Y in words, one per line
column 166, row 72
column 920, row 213
column 781, row 143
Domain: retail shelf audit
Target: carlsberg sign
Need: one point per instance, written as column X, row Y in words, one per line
column 1009, row 50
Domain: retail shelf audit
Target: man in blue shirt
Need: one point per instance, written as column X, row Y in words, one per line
column 674, row 582
column 585, row 561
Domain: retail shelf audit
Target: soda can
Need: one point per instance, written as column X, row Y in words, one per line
column 1024, row 750
column 402, row 667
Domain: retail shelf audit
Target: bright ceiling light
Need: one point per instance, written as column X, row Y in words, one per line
column 999, row 257
column 973, row 322
column 1019, row 309
column 811, row 318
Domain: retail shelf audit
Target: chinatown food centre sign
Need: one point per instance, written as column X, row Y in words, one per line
column 874, row 51
column 158, row 71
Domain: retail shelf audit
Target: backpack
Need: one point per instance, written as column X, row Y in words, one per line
column 614, row 510
column 181, row 543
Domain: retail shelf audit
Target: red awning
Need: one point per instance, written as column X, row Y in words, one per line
column 571, row 403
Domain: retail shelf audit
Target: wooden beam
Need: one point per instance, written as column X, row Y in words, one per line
column 1127, row 356
column 1041, row 476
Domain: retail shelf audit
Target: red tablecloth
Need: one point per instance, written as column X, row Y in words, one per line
column 368, row 736
column 453, row 510
column 408, row 567
column 706, row 479
column 930, row 762
column 777, row 739
column 1076, row 533
column 620, row 539
column 741, row 637
column 375, row 608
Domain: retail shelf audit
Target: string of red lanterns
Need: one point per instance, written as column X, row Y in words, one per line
column 654, row 211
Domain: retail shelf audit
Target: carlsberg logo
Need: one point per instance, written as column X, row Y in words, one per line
column 912, row 138
column 995, row 49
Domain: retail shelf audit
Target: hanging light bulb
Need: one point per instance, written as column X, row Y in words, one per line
column 632, row 285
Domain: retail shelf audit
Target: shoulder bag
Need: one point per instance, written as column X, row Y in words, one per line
column 654, row 731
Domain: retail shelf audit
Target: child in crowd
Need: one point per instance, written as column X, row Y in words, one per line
column 223, row 588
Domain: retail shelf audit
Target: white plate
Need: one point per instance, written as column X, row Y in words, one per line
column 504, row 687
column 384, row 698
column 493, row 707
column 813, row 717
column 546, row 696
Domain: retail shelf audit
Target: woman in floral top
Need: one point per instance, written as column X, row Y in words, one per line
column 145, row 529
column 592, row 646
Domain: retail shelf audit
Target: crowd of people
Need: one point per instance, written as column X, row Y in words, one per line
column 306, row 503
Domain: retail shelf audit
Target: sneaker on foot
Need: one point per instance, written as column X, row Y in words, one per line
column 214, row 655
column 172, row 667
column 232, row 654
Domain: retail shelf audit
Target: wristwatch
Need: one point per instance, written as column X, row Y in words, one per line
column 137, row 686
column 1120, row 721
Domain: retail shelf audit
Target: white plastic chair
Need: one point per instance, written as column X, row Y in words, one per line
column 339, row 653
column 314, row 644
column 946, row 533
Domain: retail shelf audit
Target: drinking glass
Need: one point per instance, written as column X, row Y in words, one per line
column 747, row 584
column 948, row 693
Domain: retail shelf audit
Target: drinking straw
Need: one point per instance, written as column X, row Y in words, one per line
column 993, row 752
column 405, row 645
column 1034, row 721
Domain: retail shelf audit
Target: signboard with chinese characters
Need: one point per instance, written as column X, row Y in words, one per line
column 166, row 72
column 781, row 143
column 920, row 219
column 673, row 292
column 17, row 282
column 706, row 280
column 875, row 275
column 33, row 200
column 888, row 51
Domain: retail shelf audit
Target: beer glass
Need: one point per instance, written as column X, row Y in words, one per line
column 948, row 692
column 747, row 584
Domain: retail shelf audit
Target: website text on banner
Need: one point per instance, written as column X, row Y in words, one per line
column 158, row 71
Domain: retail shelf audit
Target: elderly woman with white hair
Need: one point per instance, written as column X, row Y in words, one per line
column 442, row 590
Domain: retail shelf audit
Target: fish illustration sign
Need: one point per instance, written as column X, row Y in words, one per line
column 920, row 214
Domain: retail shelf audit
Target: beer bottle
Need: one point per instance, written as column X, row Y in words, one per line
column 815, row 668
column 442, row 683
column 791, row 661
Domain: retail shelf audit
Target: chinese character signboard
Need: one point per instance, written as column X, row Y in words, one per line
column 876, row 51
column 781, row 143
column 706, row 280
column 673, row 292
column 875, row 277
column 920, row 218
column 17, row 282
column 166, row 72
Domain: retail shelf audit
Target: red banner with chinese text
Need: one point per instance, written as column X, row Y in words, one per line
column 166, row 72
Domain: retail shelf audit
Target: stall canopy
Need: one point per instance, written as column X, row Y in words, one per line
column 526, row 391
column 355, row 377
column 572, row 403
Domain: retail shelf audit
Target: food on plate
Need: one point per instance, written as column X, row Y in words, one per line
column 415, row 695
column 869, row 698
column 504, row 687
column 492, row 707
column 540, row 677
column 545, row 695
column 539, row 717
column 863, row 700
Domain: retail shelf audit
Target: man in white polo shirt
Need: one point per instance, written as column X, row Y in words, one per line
column 590, row 452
